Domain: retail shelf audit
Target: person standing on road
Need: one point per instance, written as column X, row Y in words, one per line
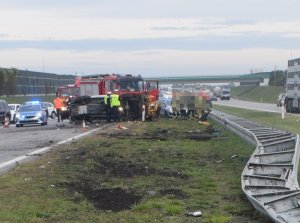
column 115, row 104
column 107, row 102
column 58, row 104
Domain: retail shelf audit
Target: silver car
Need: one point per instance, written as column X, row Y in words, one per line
column 13, row 109
column 49, row 108
column 31, row 114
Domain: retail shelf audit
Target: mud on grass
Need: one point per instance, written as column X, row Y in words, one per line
column 133, row 178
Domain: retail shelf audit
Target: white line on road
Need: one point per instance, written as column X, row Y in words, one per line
column 8, row 164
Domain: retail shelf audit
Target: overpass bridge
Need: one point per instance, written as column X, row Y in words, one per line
column 255, row 79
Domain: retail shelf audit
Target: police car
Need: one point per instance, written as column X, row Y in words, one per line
column 31, row 114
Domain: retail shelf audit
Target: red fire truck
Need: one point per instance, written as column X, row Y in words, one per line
column 136, row 96
column 68, row 93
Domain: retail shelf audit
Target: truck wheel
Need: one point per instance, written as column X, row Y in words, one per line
column 53, row 115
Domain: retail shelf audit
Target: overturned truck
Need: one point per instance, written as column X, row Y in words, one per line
column 136, row 97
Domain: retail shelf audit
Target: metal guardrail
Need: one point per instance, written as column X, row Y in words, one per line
column 269, row 179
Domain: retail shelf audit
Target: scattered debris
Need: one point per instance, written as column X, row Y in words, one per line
column 121, row 127
column 233, row 156
column 194, row 213
column 151, row 192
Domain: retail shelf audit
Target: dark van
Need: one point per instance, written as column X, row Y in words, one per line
column 4, row 110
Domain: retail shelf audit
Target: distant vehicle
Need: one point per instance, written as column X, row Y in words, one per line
column 4, row 110
column 49, row 108
column 217, row 91
column 166, row 107
column 31, row 114
column 13, row 109
column 214, row 98
column 225, row 94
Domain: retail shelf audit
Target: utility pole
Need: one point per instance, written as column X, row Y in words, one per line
column 43, row 65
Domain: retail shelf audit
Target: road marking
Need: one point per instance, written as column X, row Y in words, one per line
column 9, row 164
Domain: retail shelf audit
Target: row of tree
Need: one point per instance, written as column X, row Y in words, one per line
column 277, row 78
column 8, row 81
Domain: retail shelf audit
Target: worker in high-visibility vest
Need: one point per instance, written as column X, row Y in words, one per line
column 115, row 104
column 58, row 104
column 108, row 107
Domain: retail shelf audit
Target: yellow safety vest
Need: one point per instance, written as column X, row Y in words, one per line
column 115, row 100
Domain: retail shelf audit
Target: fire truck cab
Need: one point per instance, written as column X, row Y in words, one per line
column 136, row 95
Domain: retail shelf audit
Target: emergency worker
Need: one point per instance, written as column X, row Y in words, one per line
column 203, row 118
column 58, row 104
column 115, row 104
column 108, row 107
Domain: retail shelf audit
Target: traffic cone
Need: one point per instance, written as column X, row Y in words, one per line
column 121, row 127
column 6, row 122
column 83, row 125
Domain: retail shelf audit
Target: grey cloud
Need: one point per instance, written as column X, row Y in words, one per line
column 250, row 40
column 169, row 28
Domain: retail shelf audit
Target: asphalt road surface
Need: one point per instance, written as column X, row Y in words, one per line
column 16, row 142
column 23, row 141
column 249, row 105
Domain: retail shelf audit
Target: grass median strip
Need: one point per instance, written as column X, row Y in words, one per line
column 152, row 172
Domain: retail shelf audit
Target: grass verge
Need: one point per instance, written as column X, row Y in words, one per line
column 152, row 172
column 268, row 94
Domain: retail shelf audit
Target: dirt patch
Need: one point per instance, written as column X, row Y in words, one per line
column 114, row 165
column 114, row 199
column 200, row 136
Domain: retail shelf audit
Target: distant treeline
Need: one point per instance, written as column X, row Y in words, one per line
column 8, row 81
column 277, row 78
column 24, row 82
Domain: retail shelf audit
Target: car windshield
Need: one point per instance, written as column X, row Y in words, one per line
column 28, row 108
column 73, row 91
column 12, row 107
column 135, row 85
column 44, row 105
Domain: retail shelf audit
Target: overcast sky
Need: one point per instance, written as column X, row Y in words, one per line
column 152, row 38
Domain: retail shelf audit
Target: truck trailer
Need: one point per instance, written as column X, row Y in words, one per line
column 292, row 99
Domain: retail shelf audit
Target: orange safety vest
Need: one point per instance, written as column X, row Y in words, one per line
column 58, row 103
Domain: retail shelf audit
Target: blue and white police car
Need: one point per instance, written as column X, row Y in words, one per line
column 31, row 114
